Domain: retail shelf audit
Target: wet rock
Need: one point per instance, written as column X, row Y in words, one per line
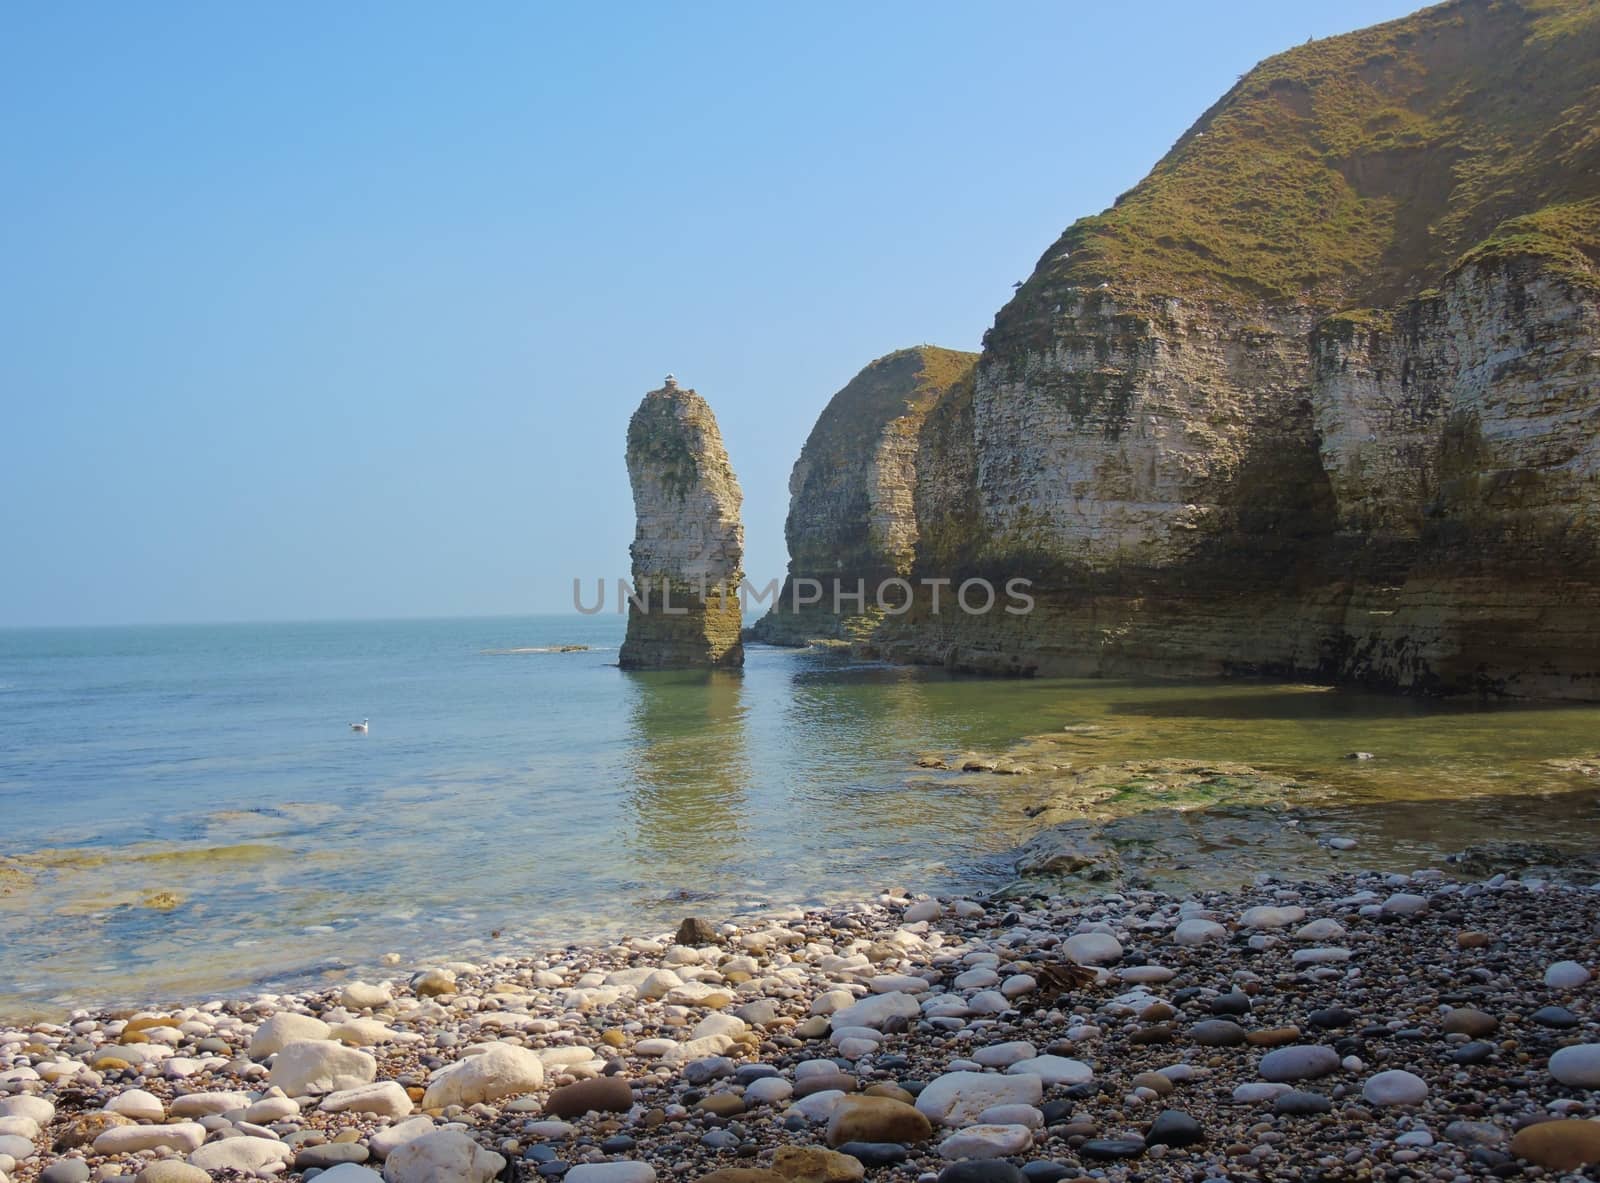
column 695, row 933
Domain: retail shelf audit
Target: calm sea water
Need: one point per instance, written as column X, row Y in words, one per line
column 184, row 810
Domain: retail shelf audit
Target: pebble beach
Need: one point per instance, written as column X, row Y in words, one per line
column 1402, row 1026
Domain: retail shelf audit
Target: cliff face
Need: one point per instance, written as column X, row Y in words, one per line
column 688, row 547
column 853, row 519
column 1210, row 452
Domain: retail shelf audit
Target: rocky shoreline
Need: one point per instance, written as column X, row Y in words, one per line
column 1366, row 1027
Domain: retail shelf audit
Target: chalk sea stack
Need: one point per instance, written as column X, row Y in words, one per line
column 688, row 545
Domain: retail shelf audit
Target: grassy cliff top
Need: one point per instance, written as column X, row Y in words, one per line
column 900, row 382
column 1361, row 168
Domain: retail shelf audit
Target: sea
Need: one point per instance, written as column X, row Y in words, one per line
column 185, row 811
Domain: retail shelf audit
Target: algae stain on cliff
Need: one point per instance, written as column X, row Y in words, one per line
column 688, row 546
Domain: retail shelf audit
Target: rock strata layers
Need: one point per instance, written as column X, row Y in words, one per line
column 688, row 547
column 1316, row 399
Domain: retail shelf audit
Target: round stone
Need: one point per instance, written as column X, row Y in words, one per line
column 1217, row 1033
column 1559, row 1145
column 1578, row 1065
column 1395, row 1087
column 1467, row 1021
column 1092, row 948
column 1565, row 975
column 1299, row 1062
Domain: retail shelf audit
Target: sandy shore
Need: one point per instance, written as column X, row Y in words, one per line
column 1367, row 1027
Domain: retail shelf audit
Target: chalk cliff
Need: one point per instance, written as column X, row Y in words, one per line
column 688, row 546
column 1319, row 397
column 852, row 512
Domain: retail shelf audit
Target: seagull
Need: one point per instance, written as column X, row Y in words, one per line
column 359, row 727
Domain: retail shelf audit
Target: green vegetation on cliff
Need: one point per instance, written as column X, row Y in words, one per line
column 1359, row 169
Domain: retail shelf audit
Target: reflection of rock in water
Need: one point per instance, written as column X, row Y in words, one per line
column 690, row 764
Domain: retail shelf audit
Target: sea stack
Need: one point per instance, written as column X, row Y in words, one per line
column 688, row 545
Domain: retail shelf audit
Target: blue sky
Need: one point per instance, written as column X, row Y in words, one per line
column 340, row 310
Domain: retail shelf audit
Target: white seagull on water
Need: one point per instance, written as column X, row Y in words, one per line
column 361, row 727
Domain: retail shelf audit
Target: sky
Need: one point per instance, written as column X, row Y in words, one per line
column 335, row 311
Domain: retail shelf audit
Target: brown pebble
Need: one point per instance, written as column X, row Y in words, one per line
column 602, row 1094
column 1468, row 939
column 1157, row 1012
column 1467, row 1021
column 842, row 1081
column 893, row 1091
column 812, row 1164
column 1561, row 1145
column 1160, row 1033
column 877, row 1119
column 1273, row 1036
column 721, row 1104
column 1154, row 1081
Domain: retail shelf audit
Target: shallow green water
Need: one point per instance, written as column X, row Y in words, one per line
column 185, row 810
